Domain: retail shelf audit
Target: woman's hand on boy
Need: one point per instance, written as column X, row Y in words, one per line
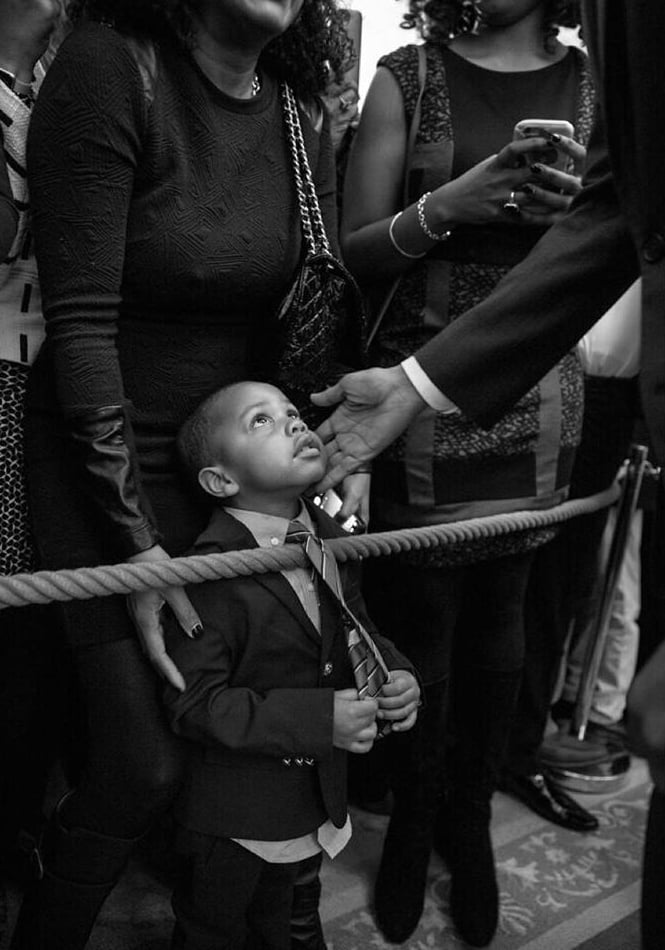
column 399, row 701
column 354, row 721
column 145, row 608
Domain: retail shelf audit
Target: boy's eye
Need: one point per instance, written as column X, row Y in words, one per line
column 293, row 414
column 261, row 419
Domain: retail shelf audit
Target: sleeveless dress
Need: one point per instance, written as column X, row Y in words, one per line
column 446, row 468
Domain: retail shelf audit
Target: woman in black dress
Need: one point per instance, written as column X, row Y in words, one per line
column 167, row 231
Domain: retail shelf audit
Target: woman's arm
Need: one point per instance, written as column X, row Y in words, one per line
column 83, row 147
column 373, row 183
column 373, row 191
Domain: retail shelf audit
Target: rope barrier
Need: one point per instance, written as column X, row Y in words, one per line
column 85, row 582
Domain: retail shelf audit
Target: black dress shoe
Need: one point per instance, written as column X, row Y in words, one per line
column 539, row 793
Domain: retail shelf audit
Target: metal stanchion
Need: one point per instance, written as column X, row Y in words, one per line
column 573, row 761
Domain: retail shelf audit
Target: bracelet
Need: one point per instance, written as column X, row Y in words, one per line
column 432, row 235
column 394, row 243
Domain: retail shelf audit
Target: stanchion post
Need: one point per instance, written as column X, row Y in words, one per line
column 626, row 505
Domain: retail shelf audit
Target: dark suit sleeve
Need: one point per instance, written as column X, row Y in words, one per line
column 488, row 358
column 213, row 712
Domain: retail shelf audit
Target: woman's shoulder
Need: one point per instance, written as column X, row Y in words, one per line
column 401, row 60
column 94, row 43
column 94, row 69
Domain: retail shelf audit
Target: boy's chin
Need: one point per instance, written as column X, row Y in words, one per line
column 315, row 472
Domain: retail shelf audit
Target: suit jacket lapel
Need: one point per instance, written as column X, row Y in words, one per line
column 226, row 534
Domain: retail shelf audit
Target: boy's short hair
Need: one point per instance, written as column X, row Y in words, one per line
column 193, row 442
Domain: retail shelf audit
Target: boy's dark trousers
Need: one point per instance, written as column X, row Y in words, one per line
column 228, row 898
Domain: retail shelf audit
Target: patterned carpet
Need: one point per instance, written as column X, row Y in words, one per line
column 559, row 890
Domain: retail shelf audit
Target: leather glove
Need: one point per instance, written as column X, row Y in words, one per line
column 103, row 440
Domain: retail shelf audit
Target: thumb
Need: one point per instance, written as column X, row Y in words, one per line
column 185, row 614
column 330, row 396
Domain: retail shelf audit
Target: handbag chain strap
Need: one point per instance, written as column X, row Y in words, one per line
column 313, row 228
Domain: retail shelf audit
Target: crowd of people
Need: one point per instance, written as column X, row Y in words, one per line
column 150, row 227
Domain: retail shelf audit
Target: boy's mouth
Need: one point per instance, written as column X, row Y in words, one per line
column 307, row 446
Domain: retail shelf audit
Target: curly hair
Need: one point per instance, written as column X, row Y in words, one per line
column 439, row 21
column 315, row 49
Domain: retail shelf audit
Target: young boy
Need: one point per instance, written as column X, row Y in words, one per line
column 270, row 702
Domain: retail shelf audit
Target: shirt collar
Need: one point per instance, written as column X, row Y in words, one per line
column 269, row 530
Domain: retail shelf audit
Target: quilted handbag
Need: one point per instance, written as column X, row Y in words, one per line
column 321, row 320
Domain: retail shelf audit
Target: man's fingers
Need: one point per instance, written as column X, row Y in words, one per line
column 328, row 397
column 185, row 614
column 339, row 468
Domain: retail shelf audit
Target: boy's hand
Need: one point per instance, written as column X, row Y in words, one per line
column 399, row 700
column 354, row 721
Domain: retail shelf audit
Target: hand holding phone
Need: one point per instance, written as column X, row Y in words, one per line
column 544, row 128
column 332, row 504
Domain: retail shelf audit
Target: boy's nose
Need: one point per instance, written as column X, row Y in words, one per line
column 296, row 425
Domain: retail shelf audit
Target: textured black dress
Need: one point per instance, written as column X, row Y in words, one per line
column 166, row 231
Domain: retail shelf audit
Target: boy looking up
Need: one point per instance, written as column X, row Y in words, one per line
column 270, row 705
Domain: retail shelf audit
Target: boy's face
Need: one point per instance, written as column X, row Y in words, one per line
column 264, row 445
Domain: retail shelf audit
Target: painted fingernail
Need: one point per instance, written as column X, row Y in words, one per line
column 197, row 631
column 528, row 189
column 554, row 137
column 536, row 169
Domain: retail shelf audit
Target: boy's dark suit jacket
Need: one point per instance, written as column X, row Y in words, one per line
column 259, row 698
column 614, row 233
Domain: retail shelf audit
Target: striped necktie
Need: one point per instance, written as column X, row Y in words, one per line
column 369, row 669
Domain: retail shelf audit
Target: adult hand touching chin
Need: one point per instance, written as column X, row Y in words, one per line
column 373, row 407
column 145, row 607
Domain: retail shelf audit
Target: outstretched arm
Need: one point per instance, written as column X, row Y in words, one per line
column 488, row 358
column 375, row 405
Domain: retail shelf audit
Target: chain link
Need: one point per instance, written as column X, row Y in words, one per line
column 308, row 202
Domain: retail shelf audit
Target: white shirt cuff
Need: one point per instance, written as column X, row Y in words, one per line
column 425, row 388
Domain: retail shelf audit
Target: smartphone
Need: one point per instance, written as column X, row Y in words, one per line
column 535, row 128
column 331, row 504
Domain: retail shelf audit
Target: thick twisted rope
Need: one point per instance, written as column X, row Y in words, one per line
column 82, row 583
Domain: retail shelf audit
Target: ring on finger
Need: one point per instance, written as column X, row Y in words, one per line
column 511, row 206
column 344, row 104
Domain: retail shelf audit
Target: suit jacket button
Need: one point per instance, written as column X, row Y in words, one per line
column 653, row 249
column 327, row 669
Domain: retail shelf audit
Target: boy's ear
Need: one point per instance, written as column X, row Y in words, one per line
column 216, row 481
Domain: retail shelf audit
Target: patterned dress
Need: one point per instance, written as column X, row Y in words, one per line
column 21, row 333
column 447, row 468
